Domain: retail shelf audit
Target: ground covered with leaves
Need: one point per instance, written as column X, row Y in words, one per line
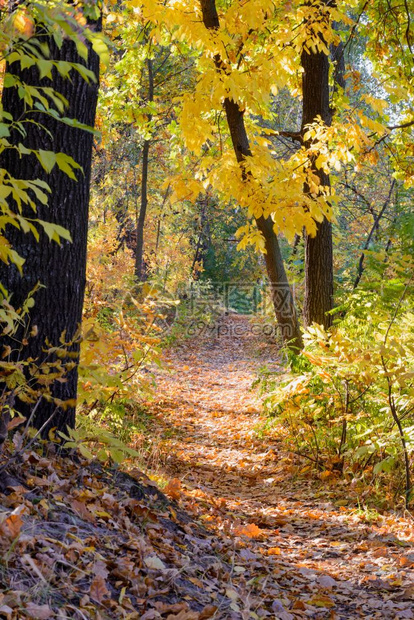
column 236, row 532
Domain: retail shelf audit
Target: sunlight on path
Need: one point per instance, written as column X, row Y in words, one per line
column 322, row 560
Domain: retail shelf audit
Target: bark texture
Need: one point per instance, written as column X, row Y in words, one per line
column 60, row 268
column 282, row 297
column 318, row 249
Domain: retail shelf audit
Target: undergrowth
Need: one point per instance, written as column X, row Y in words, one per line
column 345, row 406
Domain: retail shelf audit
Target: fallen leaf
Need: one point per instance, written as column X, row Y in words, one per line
column 154, row 562
column 319, row 600
column 98, row 590
column 11, row 524
column 82, row 510
column 173, row 488
column 407, row 560
column 251, row 531
column 39, row 612
column 327, row 582
column 208, row 612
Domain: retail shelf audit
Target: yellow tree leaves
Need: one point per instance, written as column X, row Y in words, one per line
column 257, row 48
column 257, row 55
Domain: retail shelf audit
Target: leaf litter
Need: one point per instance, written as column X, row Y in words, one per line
column 236, row 533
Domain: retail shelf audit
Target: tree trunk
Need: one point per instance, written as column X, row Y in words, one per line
column 318, row 249
column 282, row 296
column 140, row 270
column 60, row 268
column 201, row 246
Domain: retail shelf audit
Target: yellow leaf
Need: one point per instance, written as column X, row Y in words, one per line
column 319, row 600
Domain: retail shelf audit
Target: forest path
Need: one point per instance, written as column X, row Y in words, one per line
column 315, row 557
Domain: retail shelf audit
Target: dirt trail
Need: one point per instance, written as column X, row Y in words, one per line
column 319, row 559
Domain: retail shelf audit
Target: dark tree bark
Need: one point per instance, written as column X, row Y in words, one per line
column 282, row 296
column 59, row 268
column 140, row 271
column 318, row 249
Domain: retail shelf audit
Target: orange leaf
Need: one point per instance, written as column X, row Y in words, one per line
column 11, row 525
column 406, row 561
column 325, row 474
column 251, row 531
column 173, row 488
column 274, row 551
column 15, row 422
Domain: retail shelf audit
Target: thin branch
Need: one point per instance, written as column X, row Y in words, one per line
column 368, row 241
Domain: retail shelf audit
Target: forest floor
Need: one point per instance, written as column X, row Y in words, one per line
column 312, row 549
column 236, row 534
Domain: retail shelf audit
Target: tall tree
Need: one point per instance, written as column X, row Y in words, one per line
column 140, row 272
column 318, row 248
column 58, row 267
column 282, row 296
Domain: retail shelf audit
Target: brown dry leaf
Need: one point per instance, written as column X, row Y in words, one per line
column 99, row 569
column 29, row 561
column 82, row 510
column 151, row 614
column 184, row 615
column 39, row 612
column 15, row 422
column 163, row 608
column 208, row 612
column 326, row 581
column 98, row 590
column 173, row 488
column 250, row 530
column 299, row 605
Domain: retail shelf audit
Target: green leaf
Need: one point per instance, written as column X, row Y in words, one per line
column 87, row 74
column 9, row 80
column 41, row 196
column 23, row 150
column 4, row 130
column 45, row 68
column 64, row 68
column 116, row 455
column 47, row 159
column 85, row 452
